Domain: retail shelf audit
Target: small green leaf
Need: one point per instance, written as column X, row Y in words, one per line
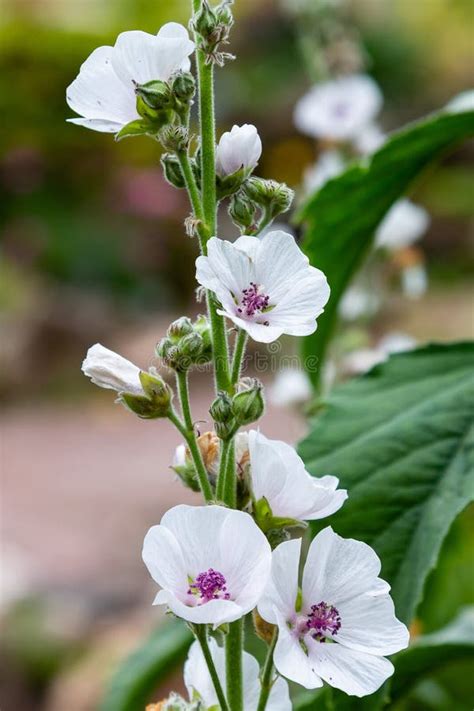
column 139, row 127
column 141, row 672
column 342, row 217
column 401, row 441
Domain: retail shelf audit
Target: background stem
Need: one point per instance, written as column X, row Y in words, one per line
column 200, row 632
column 190, row 439
column 234, row 645
column 239, row 350
column 266, row 679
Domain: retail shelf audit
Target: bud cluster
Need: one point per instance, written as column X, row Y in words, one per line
column 212, row 28
column 186, row 344
column 269, row 196
column 232, row 412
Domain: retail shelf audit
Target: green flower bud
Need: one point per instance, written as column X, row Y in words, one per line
column 205, row 21
column 229, row 184
column 191, row 347
column 276, row 197
column 201, row 326
column 248, row 405
column 180, row 328
column 221, row 412
column 174, row 138
column 157, row 118
column 242, row 211
column 224, row 14
column 172, row 170
column 183, row 86
column 157, row 399
column 155, row 94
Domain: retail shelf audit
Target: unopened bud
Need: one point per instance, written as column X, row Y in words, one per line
column 180, row 328
column 172, row 170
column 263, row 629
column 242, row 211
column 156, row 401
column 248, row 405
column 184, row 467
column 224, row 13
column 201, row 326
column 174, row 138
column 205, row 21
column 222, row 413
column 276, row 197
column 155, row 94
column 191, row 347
column 183, row 86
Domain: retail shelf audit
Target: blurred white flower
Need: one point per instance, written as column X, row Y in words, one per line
column 198, row 680
column 104, row 91
column 462, row 102
column 329, row 165
column 339, row 109
column 364, row 359
column 291, row 386
column 341, row 624
column 357, row 303
column 265, row 285
column 369, row 139
column 109, row 370
column 404, row 224
column 414, row 281
column 211, row 562
column 238, row 149
column 278, row 475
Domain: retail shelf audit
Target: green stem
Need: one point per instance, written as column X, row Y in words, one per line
column 194, row 195
column 183, row 392
column 200, row 632
column 234, row 645
column 220, row 348
column 239, row 350
column 225, row 449
column 190, row 439
column 266, row 679
column 230, row 481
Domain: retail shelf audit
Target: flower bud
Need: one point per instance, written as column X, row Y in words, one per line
column 263, row 629
column 172, row 170
column 157, row 399
column 183, row 86
column 184, row 467
column 201, row 326
column 242, row 211
column 205, row 21
column 180, row 328
column 155, row 94
column 276, row 197
column 224, row 13
column 248, row 405
column 191, row 347
column 174, row 138
column 221, row 412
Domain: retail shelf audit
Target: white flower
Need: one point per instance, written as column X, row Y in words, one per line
column 343, row 603
column 104, row 91
column 414, row 280
column 339, row 109
column 357, row 302
column 238, row 149
column 290, row 387
column 404, row 224
column 369, row 139
column 462, row 102
column 179, row 457
column 279, row 475
column 197, row 680
column 265, row 286
column 109, row 370
column 211, row 562
column 329, row 165
column 364, row 359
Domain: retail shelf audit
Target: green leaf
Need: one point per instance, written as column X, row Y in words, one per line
column 139, row 127
column 401, row 440
column 425, row 656
column 428, row 653
column 342, row 217
column 139, row 674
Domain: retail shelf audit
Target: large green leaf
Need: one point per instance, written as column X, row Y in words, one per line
column 139, row 674
column 425, row 656
column 401, row 440
column 342, row 217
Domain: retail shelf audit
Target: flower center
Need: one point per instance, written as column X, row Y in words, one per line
column 253, row 300
column 210, row 585
column 323, row 618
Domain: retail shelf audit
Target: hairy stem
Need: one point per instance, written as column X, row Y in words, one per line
column 230, row 481
column 267, row 673
column 190, row 439
column 225, row 449
column 239, row 350
column 194, row 196
column 234, row 645
column 200, row 632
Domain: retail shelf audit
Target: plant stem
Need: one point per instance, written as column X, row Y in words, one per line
column 200, row 632
column 230, row 481
column 239, row 350
column 266, row 679
column 234, row 645
column 225, row 449
column 194, row 196
column 190, row 439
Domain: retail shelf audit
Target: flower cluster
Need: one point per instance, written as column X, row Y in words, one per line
column 217, row 562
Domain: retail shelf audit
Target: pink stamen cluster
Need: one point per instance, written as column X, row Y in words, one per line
column 210, row 585
column 253, row 300
column 323, row 618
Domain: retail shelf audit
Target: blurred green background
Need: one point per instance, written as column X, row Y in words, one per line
column 92, row 248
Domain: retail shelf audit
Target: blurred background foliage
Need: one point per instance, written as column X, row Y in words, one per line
column 92, row 247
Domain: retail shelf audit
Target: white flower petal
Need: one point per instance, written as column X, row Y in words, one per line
column 101, row 125
column 355, row 673
column 369, row 625
column 109, row 370
column 338, row 569
column 239, row 148
column 404, row 224
column 225, row 269
column 290, row 659
column 97, row 93
column 282, row 587
column 163, row 557
column 214, row 612
column 290, row 387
